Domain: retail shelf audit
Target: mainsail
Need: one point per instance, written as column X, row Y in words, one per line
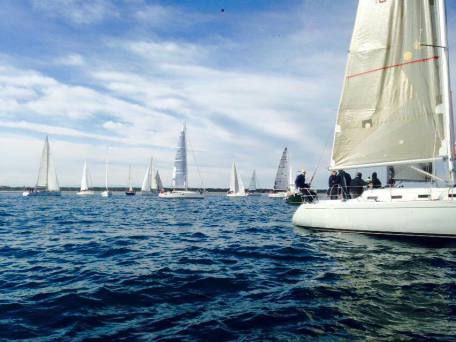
column 180, row 163
column 47, row 176
column 394, row 106
column 236, row 185
column 158, row 182
column 148, row 178
column 85, row 178
column 283, row 173
column 252, row 185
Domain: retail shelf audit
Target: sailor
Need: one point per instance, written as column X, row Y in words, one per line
column 376, row 184
column 344, row 181
column 300, row 181
column 333, row 185
column 357, row 185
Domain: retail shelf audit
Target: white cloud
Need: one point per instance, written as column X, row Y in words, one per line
column 72, row 59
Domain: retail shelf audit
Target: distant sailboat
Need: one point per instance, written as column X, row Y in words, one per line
column 253, row 185
column 47, row 183
column 130, row 191
column 283, row 177
column 236, row 185
column 180, row 173
column 149, row 185
column 107, row 192
column 84, row 191
column 157, row 184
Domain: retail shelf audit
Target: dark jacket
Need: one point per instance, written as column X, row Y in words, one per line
column 356, row 186
column 376, row 183
column 300, row 181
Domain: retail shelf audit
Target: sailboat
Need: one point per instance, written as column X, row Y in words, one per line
column 253, row 185
column 180, row 173
column 282, row 182
column 47, row 183
column 130, row 191
column 84, row 191
column 149, row 185
column 107, row 192
column 236, row 186
column 395, row 111
column 157, row 184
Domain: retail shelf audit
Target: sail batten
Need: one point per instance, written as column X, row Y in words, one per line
column 391, row 106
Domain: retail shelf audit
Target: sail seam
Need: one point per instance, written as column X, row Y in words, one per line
column 421, row 60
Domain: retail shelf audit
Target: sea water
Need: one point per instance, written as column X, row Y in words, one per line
column 143, row 268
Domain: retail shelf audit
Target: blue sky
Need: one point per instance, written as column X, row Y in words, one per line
column 249, row 80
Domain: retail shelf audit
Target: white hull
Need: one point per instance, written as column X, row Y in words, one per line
column 182, row 194
column 106, row 193
column 277, row 194
column 237, row 194
column 385, row 211
column 86, row 193
column 41, row 193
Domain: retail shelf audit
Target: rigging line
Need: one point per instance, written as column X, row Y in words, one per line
column 196, row 164
column 320, row 159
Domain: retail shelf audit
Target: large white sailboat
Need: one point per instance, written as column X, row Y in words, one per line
column 147, row 187
column 47, row 183
column 236, row 185
column 282, row 182
column 106, row 192
column 180, row 173
column 85, row 181
column 395, row 110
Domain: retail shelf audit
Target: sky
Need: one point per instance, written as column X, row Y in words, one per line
column 118, row 79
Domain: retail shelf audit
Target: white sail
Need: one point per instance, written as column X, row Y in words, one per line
column 130, row 188
column 394, row 106
column 148, row 178
column 85, row 178
column 158, row 182
column 236, row 185
column 252, row 184
column 180, row 162
column 282, row 176
column 47, row 176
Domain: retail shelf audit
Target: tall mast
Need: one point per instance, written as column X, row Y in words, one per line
column 47, row 162
column 446, row 96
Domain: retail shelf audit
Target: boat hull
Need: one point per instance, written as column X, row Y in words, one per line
column 106, row 193
column 85, row 193
column 277, row 194
column 237, row 194
column 419, row 218
column 181, row 194
column 41, row 193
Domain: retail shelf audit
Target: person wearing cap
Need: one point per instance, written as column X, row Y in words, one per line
column 357, row 185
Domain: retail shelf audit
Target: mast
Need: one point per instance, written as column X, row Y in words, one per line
column 446, row 86
column 106, row 174
column 47, row 162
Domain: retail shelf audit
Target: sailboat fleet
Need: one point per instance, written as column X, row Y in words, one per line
column 403, row 121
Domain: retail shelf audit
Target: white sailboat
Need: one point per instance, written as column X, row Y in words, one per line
column 253, row 185
column 180, row 173
column 147, row 187
column 47, row 183
column 157, row 183
column 282, row 179
column 395, row 109
column 130, row 191
column 236, row 185
column 107, row 192
column 85, row 191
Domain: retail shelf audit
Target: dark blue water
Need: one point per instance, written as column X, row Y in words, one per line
column 134, row 268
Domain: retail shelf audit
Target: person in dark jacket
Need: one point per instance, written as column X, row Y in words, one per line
column 300, row 181
column 376, row 184
column 357, row 185
column 333, row 185
column 344, row 181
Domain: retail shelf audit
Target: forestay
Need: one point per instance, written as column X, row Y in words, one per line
column 391, row 109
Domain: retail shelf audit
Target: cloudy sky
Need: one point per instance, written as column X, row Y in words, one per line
column 249, row 77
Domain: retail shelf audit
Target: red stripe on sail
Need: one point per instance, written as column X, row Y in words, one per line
column 422, row 60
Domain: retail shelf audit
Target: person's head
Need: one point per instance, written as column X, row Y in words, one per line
column 333, row 172
column 303, row 172
column 359, row 174
column 374, row 175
